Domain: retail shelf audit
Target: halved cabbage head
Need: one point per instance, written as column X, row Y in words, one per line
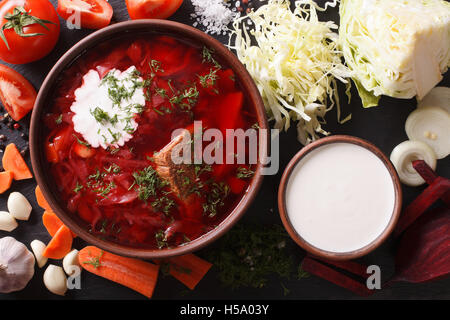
column 398, row 48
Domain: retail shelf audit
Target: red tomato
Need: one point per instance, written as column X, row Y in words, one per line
column 94, row 14
column 35, row 40
column 152, row 9
column 16, row 93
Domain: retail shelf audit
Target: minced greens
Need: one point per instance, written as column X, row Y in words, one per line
column 295, row 63
column 248, row 255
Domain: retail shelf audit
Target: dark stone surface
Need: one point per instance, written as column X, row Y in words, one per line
column 384, row 126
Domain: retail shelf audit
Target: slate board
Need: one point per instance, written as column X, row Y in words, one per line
column 383, row 126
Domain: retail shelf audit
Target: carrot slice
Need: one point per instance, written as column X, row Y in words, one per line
column 52, row 223
column 135, row 274
column 6, row 178
column 41, row 200
column 188, row 269
column 13, row 161
column 60, row 245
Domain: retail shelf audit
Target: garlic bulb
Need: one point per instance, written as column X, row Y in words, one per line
column 55, row 280
column 18, row 206
column 16, row 265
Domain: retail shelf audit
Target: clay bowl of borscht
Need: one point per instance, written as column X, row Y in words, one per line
column 129, row 139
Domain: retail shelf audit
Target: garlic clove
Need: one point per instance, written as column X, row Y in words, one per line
column 55, row 280
column 7, row 221
column 18, row 206
column 69, row 261
column 38, row 248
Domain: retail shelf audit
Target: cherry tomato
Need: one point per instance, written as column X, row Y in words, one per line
column 30, row 30
column 93, row 14
column 16, row 93
column 152, row 9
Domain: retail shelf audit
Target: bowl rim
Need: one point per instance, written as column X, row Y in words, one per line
column 315, row 251
column 164, row 27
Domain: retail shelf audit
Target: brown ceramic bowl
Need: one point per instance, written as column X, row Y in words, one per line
column 41, row 167
column 335, row 255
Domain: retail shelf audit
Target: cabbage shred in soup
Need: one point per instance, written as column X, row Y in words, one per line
column 109, row 140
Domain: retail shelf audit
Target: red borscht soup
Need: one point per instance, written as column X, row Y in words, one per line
column 109, row 139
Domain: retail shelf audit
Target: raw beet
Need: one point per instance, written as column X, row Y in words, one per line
column 424, row 250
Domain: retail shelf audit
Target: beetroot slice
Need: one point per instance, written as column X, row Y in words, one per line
column 415, row 209
column 350, row 266
column 320, row 270
column 429, row 176
column 424, row 250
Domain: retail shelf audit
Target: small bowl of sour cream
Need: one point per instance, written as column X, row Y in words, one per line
column 339, row 198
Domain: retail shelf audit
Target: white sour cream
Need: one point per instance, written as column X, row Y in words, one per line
column 340, row 197
column 103, row 115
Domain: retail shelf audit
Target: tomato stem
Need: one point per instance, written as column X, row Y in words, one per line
column 19, row 19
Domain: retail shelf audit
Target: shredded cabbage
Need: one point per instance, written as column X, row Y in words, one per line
column 295, row 63
column 398, row 48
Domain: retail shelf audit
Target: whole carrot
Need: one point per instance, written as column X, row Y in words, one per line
column 132, row 273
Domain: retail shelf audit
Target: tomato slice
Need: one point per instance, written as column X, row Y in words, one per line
column 16, row 93
column 152, row 9
column 94, row 14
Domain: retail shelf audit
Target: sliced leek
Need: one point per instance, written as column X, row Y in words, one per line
column 404, row 154
column 437, row 97
column 430, row 125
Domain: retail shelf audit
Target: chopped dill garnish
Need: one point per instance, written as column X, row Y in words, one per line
column 248, row 255
column 208, row 57
column 215, row 198
column 163, row 204
column 244, row 173
column 104, row 190
column 148, row 182
column 155, row 66
column 100, row 115
column 95, row 261
column 199, row 169
column 161, row 240
column 185, row 99
column 59, row 119
column 78, row 188
column 210, row 79
column 81, row 141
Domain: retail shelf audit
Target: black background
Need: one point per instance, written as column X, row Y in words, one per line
column 383, row 126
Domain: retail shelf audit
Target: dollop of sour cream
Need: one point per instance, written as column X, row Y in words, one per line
column 105, row 109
